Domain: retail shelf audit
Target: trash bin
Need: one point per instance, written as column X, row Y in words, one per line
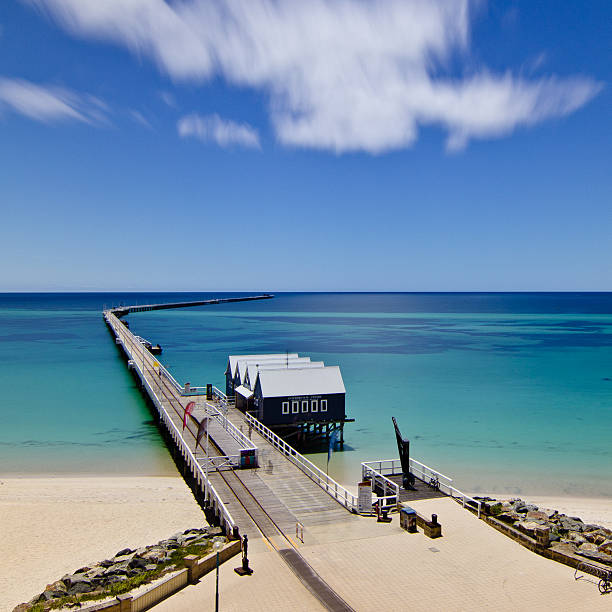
column 408, row 519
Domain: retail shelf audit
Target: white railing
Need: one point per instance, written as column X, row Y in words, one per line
column 243, row 441
column 378, row 470
column 197, row 470
column 222, row 398
column 316, row 474
column 374, row 471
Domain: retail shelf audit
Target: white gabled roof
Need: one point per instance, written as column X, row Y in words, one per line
column 247, row 393
column 233, row 359
column 251, row 367
column 303, row 381
column 243, row 364
column 297, row 364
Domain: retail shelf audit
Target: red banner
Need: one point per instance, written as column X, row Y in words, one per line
column 188, row 410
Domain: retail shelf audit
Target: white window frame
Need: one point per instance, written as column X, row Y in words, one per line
column 285, row 407
column 314, row 407
column 295, row 406
column 323, row 405
column 304, row 405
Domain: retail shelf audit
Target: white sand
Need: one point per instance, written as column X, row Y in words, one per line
column 52, row 526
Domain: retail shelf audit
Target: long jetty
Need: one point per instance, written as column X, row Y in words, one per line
column 121, row 311
column 289, row 492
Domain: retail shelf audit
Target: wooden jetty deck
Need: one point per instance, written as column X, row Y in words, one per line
column 266, row 502
column 421, row 490
column 121, row 311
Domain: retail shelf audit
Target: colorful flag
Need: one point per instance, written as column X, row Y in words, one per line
column 188, row 409
column 201, row 431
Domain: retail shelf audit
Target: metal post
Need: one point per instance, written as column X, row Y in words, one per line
column 207, row 449
column 217, row 589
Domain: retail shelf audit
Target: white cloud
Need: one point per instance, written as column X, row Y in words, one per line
column 223, row 132
column 49, row 103
column 139, row 118
column 168, row 99
column 342, row 75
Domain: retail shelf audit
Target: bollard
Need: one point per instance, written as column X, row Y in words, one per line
column 191, row 563
column 125, row 602
column 434, row 519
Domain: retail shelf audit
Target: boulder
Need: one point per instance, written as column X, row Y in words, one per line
column 509, row 517
column 124, row 551
column 537, row 515
column 606, row 547
column 577, row 538
column 123, row 558
column 526, row 508
column 70, row 581
column 117, row 568
column 155, row 555
column 569, row 524
column 80, row 587
column 57, row 586
column 528, row 527
column 151, row 567
column 137, row 563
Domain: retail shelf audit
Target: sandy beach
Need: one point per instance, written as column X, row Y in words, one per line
column 53, row 525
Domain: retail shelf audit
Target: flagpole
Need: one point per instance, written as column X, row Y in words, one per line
column 207, row 447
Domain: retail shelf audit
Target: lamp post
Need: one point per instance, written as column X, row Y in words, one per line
column 217, row 546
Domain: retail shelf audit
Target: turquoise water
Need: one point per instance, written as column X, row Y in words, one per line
column 507, row 392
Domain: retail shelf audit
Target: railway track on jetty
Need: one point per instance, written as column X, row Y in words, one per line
column 227, row 482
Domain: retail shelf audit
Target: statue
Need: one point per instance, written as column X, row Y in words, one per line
column 403, row 446
column 244, row 570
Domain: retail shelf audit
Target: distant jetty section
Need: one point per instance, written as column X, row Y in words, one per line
column 121, row 311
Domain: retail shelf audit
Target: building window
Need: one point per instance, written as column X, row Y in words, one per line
column 285, row 407
column 305, row 406
column 295, row 407
column 314, row 405
column 323, row 405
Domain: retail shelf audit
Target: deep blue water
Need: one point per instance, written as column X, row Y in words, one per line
column 500, row 391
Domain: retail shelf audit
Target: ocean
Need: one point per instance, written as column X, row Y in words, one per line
column 503, row 392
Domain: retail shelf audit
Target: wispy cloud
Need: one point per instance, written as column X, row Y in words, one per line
column 168, row 99
column 212, row 128
column 139, row 118
column 342, row 75
column 50, row 103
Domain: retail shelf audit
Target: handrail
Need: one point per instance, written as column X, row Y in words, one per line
column 244, row 441
column 329, row 485
column 384, row 467
column 173, row 429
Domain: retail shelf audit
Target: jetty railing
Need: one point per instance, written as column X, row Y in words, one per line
column 222, row 398
column 329, row 485
column 129, row 346
column 243, row 441
column 375, row 471
column 378, row 470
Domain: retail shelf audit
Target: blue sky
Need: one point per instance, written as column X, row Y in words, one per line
column 279, row 145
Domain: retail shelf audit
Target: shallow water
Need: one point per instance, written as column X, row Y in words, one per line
column 499, row 391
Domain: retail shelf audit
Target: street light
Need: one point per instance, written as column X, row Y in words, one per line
column 217, row 546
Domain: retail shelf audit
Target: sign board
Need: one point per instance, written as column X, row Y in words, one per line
column 364, row 497
column 248, row 458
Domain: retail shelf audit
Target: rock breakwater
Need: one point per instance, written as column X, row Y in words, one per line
column 565, row 534
column 126, row 570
